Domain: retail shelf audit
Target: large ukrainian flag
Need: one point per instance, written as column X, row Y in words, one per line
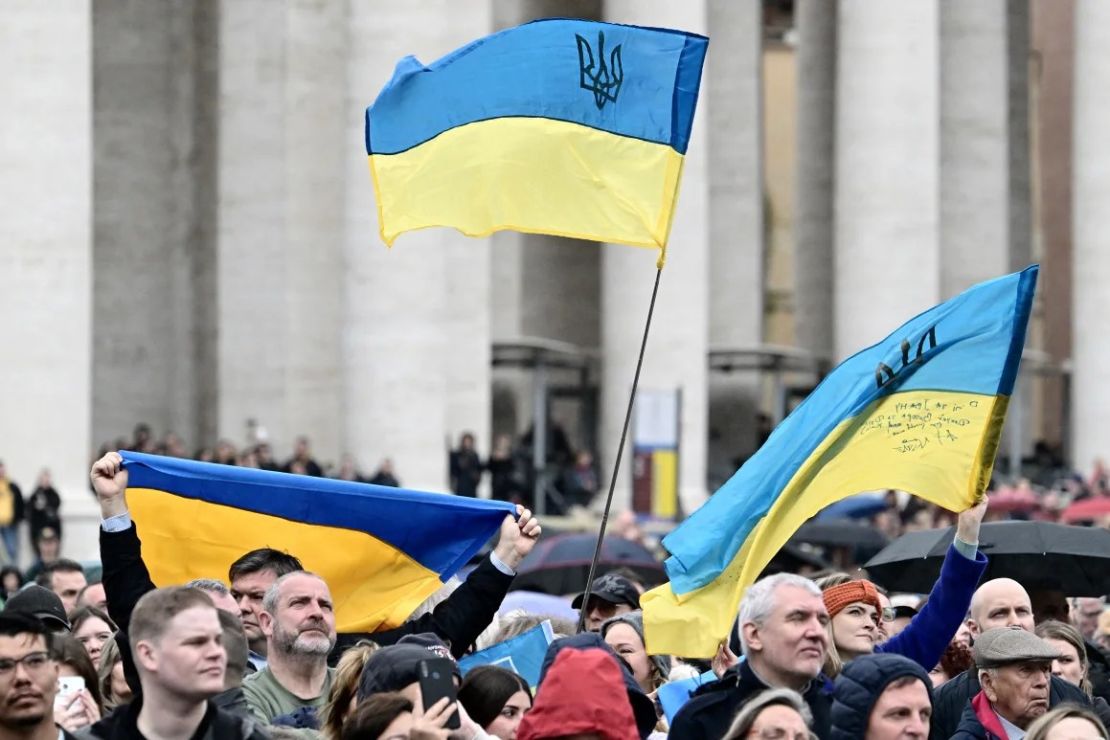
column 920, row 411
column 565, row 127
column 381, row 550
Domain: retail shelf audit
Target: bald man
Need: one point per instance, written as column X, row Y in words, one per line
column 1000, row 603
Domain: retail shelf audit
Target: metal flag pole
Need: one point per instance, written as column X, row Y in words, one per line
column 620, row 453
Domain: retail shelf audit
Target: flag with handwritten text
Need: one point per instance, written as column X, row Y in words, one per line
column 921, row 411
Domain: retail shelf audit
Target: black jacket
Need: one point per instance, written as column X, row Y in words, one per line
column 458, row 620
column 1099, row 672
column 216, row 725
column 951, row 699
column 710, row 711
column 44, row 505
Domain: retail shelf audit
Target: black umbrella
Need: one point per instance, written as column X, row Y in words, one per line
column 561, row 564
column 840, row 533
column 1039, row 555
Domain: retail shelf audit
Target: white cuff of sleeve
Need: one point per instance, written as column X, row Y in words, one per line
column 117, row 523
column 500, row 564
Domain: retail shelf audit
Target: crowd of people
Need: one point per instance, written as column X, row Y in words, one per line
column 254, row 652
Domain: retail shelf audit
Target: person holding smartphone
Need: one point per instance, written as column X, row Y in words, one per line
column 420, row 672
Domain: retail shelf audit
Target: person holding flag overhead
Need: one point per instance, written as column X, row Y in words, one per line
column 459, row 619
column 856, row 613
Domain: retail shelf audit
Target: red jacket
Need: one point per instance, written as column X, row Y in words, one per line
column 582, row 692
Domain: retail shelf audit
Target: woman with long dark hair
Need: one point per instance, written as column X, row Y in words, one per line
column 496, row 699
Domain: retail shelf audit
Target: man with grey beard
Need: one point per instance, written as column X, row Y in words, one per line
column 298, row 621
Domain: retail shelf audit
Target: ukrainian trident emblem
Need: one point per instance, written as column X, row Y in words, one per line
column 603, row 80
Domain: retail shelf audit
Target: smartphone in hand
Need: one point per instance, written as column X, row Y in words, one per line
column 437, row 680
column 67, row 687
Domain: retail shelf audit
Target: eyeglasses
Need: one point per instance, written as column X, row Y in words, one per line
column 32, row 662
column 887, row 614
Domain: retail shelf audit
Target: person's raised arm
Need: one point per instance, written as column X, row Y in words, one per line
column 927, row 635
column 463, row 615
column 126, row 577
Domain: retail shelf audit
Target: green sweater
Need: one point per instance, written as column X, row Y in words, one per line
column 268, row 699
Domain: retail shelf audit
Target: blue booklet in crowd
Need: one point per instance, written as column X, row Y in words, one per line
column 522, row 654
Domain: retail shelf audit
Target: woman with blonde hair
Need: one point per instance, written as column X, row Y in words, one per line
column 114, row 691
column 344, row 689
column 1073, row 664
column 1067, row 722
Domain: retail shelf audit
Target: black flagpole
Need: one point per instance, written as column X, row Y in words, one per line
column 620, row 453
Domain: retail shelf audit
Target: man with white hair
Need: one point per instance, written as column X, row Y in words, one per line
column 782, row 626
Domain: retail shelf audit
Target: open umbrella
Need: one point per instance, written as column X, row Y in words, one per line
column 1088, row 510
column 1039, row 555
column 561, row 564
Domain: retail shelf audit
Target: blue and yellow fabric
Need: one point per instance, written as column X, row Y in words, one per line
column 381, row 550
column 921, row 411
column 566, row 127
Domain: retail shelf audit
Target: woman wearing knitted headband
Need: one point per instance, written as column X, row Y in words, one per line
column 855, row 614
column 856, row 609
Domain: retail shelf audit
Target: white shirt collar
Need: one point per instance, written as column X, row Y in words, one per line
column 1013, row 732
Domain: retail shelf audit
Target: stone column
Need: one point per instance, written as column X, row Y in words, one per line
column 677, row 347
column 733, row 108
column 984, row 154
column 815, row 21
column 46, row 158
column 315, row 157
column 1054, row 43
column 251, row 265
column 887, row 255
column 145, row 167
column 404, row 336
column 1091, row 255
column 984, row 149
column 534, row 274
column 281, row 221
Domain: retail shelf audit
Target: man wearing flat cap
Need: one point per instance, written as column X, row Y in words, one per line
column 1014, row 668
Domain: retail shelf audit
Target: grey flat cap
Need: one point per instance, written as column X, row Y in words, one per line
column 1006, row 646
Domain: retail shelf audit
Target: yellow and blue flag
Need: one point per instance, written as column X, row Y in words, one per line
column 566, row 127
column 381, row 550
column 921, row 412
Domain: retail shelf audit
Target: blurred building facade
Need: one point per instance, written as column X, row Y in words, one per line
column 190, row 237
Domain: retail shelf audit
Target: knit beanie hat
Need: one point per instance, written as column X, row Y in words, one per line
column 837, row 598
